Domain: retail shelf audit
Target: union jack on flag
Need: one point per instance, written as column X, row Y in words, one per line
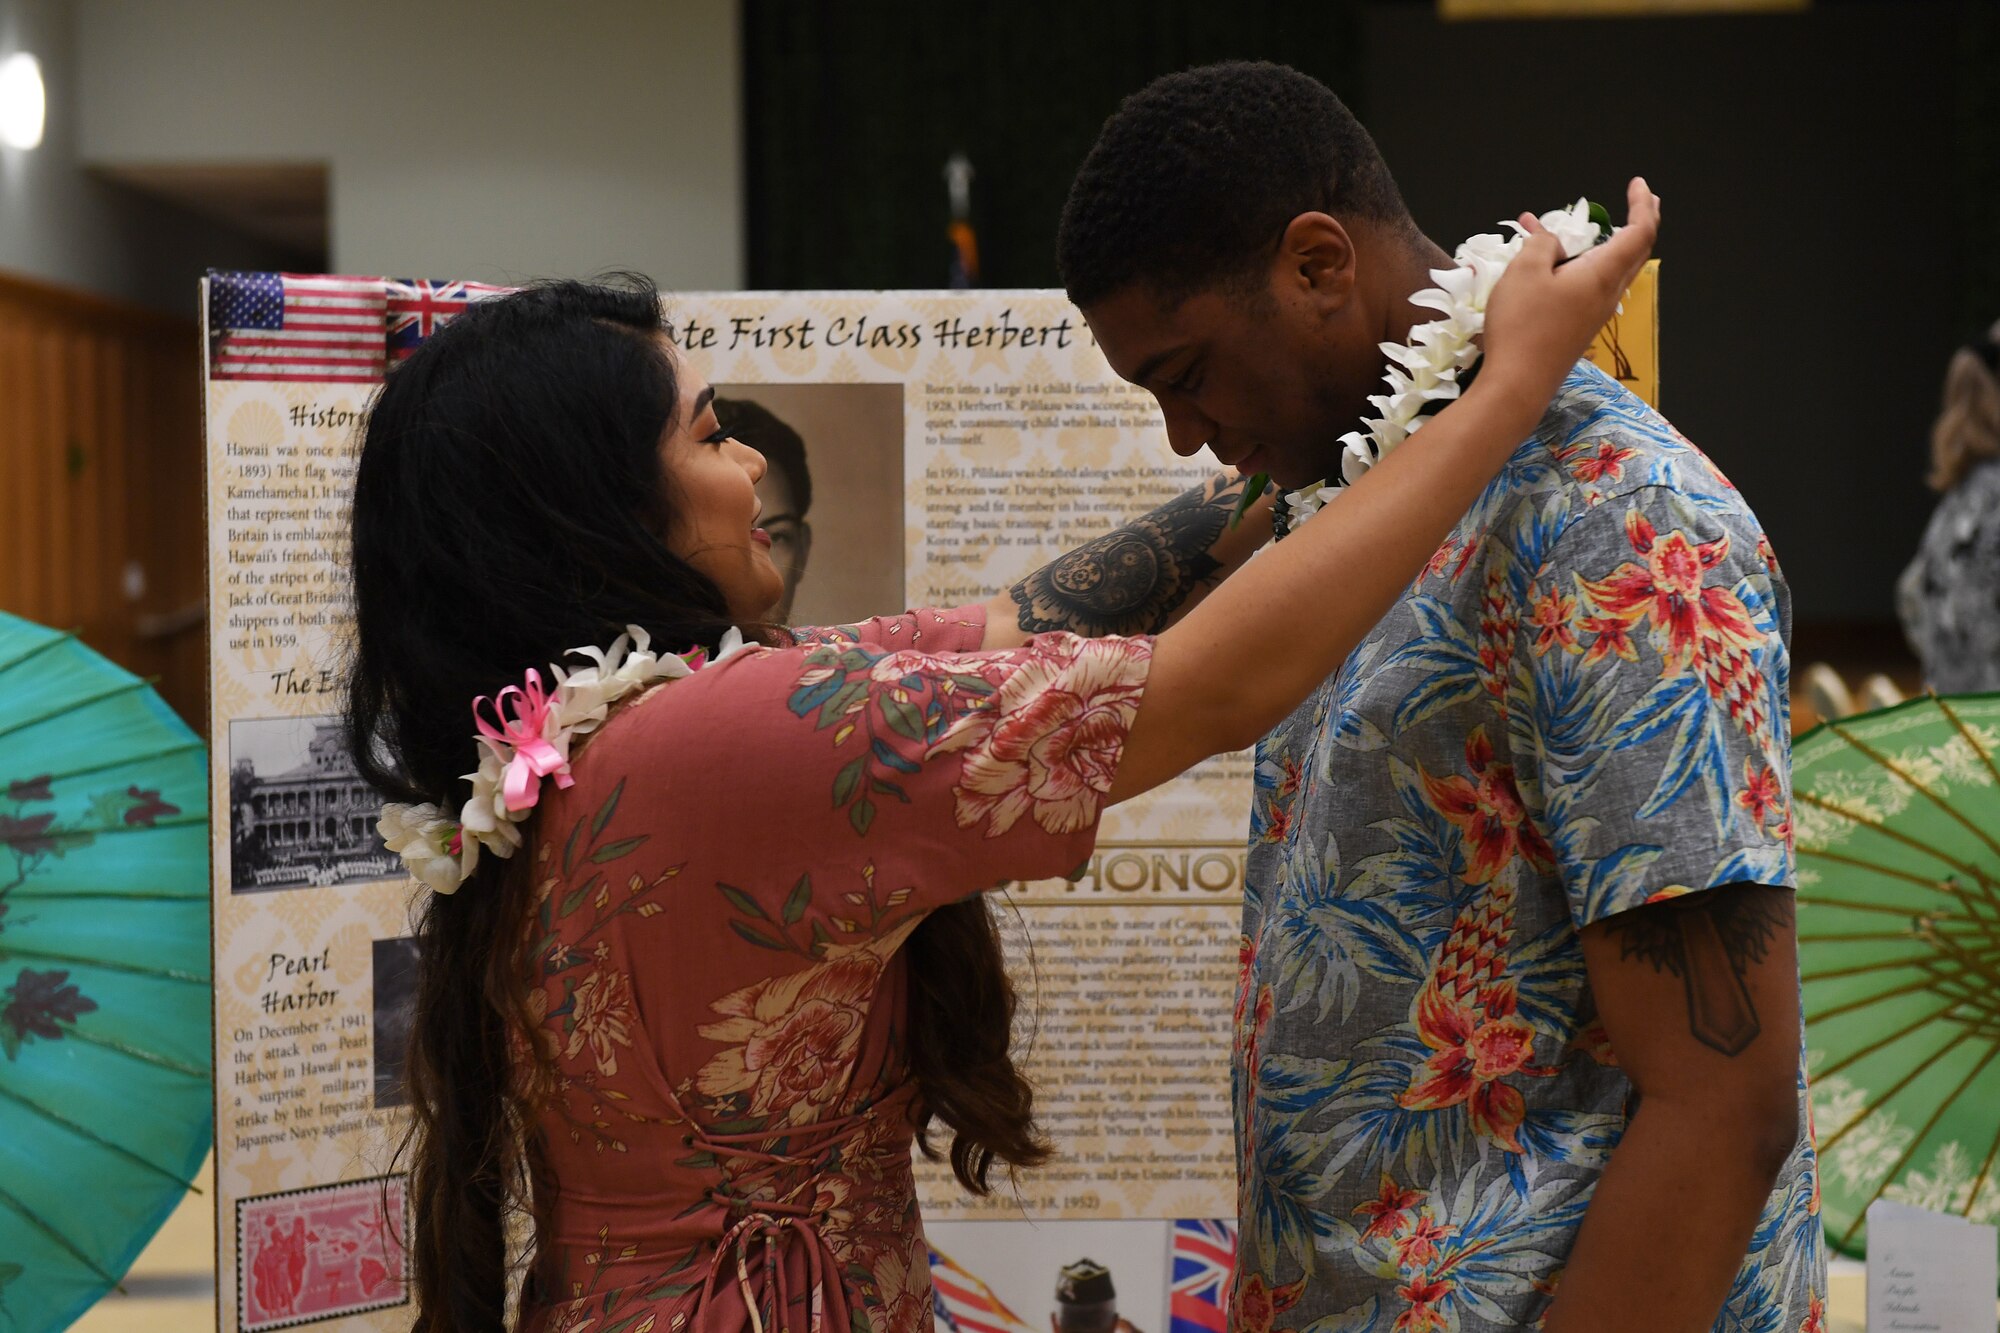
column 294, row 327
column 1204, row 1266
column 964, row 1304
column 418, row 308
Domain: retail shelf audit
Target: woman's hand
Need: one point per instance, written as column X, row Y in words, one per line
column 1544, row 312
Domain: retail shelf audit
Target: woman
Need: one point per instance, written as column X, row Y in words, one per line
column 1949, row 597
column 730, row 959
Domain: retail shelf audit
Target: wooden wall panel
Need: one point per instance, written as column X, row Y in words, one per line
column 101, row 471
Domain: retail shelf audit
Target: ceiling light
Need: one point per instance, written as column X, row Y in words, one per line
column 22, row 103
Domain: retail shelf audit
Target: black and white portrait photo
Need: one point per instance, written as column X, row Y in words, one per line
column 395, row 965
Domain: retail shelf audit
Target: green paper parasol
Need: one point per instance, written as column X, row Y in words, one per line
column 1897, row 817
column 105, row 1101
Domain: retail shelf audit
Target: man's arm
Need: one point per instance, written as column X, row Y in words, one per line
column 1137, row 579
column 1699, row 996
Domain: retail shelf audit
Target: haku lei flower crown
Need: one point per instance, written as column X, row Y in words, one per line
column 1424, row 372
column 524, row 736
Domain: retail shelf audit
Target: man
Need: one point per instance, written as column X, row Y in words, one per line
column 786, row 489
column 1518, row 1031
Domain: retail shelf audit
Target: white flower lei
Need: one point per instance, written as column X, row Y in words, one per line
column 1426, row 369
column 531, row 742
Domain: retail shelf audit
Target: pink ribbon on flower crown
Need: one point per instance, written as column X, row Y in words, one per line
column 534, row 758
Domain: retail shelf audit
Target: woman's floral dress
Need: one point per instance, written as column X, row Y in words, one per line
column 723, row 895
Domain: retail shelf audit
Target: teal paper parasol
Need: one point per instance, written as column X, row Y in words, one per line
column 1897, row 819
column 105, row 1099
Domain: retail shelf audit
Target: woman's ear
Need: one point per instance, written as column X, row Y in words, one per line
column 1316, row 261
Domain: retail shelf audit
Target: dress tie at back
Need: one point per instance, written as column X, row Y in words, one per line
column 775, row 1249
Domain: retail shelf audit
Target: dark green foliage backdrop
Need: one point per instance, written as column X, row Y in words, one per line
column 852, row 109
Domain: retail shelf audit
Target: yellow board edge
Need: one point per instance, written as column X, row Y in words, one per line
column 1628, row 348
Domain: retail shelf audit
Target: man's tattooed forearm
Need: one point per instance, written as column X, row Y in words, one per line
column 1132, row 580
column 1710, row 940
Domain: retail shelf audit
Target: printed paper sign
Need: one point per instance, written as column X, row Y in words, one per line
column 1930, row 1272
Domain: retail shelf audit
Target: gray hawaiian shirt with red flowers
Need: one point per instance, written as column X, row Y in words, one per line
column 1579, row 708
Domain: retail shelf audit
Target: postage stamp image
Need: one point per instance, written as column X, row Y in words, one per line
column 316, row 1253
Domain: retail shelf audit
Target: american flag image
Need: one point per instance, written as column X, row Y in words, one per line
column 964, row 1304
column 418, row 308
column 1204, row 1265
column 291, row 326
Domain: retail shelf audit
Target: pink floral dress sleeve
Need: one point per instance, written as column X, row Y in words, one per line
column 723, row 899
column 956, row 631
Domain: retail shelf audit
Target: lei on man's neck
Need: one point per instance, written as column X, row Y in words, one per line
column 1434, row 364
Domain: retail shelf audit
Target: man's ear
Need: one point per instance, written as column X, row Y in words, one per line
column 1315, row 261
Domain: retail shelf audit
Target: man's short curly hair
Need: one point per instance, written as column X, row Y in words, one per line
column 1197, row 174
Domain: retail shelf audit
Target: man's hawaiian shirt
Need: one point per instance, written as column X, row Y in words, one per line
column 1580, row 707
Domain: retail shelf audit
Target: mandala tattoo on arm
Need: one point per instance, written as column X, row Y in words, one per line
column 1132, row 579
column 1710, row 940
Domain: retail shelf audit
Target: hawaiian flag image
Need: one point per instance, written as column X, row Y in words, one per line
column 1204, row 1265
column 964, row 1304
column 419, row 308
column 295, row 327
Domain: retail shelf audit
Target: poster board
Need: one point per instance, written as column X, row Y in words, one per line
column 306, row 898
column 998, row 438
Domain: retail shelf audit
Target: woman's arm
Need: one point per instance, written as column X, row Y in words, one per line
column 1140, row 578
column 1254, row 650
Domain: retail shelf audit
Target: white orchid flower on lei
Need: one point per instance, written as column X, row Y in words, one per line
column 524, row 737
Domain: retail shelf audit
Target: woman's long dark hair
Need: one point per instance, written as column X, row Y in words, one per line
column 509, row 504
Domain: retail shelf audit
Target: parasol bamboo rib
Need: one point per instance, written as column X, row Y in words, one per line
column 1951, row 715
column 1978, row 959
column 1896, row 835
column 1881, row 936
column 1985, row 1167
column 1853, row 1057
column 103, row 895
column 1864, row 969
column 1893, row 909
column 106, row 830
column 1866, row 1000
column 44, row 646
column 1870, row 1108
column 1957, row 816
column 1944, row 886
column 35, row 1220
column 132, row 686
column 81, row 1132
column 1856, row 937
column 135, row 1053
column 1917, row 1142
column 78, row 960
column 148, row 758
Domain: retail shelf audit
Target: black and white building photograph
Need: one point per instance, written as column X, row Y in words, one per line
column 299, row 814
